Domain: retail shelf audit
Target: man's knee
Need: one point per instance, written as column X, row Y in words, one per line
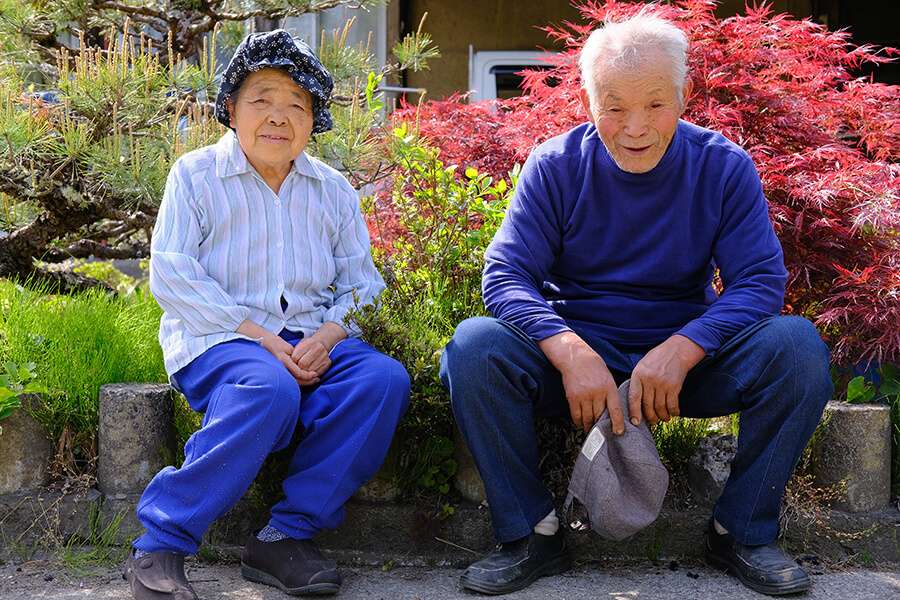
column 799, row 340
column 797, row 348
column 472, row 342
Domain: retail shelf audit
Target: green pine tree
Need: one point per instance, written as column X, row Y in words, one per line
column 99, row 97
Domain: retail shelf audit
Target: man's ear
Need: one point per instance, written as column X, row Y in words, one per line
column 686, row 92
column 586, row 103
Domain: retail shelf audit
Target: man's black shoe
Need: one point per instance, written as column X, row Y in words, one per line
column 296, row 567
column 514, row 565
column 766, row 569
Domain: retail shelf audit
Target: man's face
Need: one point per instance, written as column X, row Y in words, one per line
column 636, row 115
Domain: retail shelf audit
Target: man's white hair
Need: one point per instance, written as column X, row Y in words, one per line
column 630, row 46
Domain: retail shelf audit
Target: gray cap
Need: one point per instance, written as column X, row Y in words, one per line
column 619, row 478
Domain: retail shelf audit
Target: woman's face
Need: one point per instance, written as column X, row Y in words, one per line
column 273, row 119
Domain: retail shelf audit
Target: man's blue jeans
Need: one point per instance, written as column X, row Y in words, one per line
column 774, row 373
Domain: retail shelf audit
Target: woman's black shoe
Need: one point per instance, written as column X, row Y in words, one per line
column 296, row 567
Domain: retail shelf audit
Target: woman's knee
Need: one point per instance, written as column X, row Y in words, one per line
column 394, row 380
column 383, row 378
column 268, row 387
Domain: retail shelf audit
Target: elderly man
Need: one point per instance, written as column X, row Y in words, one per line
column 602, row 271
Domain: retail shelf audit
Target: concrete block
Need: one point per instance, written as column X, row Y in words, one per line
column 136, row 435
column 856, row 445
column 119, row 514
column 25, row 451
column 467, row 480
column 709, row 466
column 237, row 524
column 381, row 487
column 49, row 519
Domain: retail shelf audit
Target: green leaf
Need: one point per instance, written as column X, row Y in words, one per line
column 35, row 388
column 858, row 391
column 890, row 376
column 6, row 394
column 10, row 367
column 374, row 104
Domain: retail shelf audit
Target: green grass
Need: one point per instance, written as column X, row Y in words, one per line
column 78, row 344
column 101, row 548
column 677, row 439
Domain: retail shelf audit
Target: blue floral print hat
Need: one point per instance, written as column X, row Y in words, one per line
column 278, row 49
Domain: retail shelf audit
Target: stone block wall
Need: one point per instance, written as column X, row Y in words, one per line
column 136, row 440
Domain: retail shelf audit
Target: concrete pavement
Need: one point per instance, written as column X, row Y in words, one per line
column 50, row 581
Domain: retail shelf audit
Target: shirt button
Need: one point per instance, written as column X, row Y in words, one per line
column 280, row 244
column 277, row 201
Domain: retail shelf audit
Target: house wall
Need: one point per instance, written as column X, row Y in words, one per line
column 512, row 25
column 486, row 25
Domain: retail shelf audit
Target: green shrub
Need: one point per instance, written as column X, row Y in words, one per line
column 677, row 439
column 13, row 384
column 433, row 272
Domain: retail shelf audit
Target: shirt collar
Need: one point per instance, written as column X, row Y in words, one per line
column 231, row 160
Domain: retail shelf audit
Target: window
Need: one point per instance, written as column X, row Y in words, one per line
column 493, row 74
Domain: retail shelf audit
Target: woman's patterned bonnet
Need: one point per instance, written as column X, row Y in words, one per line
column 278, row 49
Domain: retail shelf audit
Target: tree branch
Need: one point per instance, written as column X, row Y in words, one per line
column 86, row 248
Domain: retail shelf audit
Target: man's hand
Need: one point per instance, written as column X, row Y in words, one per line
column 657, row 379
column 590, row 387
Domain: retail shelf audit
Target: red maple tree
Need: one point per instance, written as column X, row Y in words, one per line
column 826, row 144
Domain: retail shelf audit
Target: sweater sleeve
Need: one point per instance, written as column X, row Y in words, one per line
column 749, row 258
column 521, row 255
column 177, row 279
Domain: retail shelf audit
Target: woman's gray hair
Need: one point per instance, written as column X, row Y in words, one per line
column 629, row 46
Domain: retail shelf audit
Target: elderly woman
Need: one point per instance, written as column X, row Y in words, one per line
column 258, row 253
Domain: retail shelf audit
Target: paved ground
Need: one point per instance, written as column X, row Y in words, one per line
column 51, row 581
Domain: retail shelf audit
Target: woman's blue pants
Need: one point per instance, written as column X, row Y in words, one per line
column 251, row 407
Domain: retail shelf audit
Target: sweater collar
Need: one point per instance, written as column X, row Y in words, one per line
column 669, row 159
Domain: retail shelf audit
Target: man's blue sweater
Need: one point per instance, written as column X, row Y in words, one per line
column 630, row 257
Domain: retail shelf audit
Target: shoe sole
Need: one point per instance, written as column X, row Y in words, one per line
column 772, row 589
column 316, row 589
column 558, row 565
